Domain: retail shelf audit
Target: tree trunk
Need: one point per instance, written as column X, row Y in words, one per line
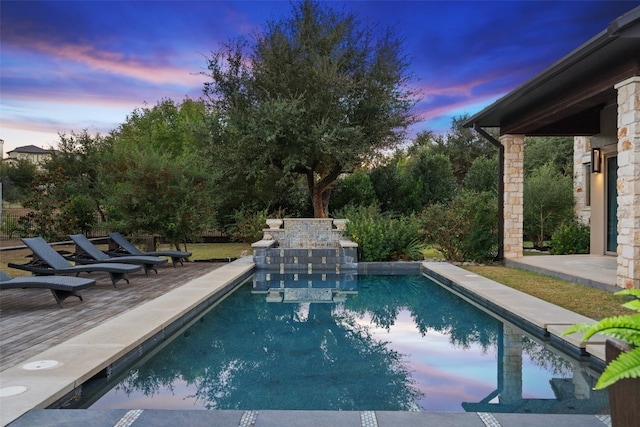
column 321, row 202
column 326, row 196
column 321, row 191
column 541, row 235
column 318, row 204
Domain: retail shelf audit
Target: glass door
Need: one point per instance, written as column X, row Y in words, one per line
column 612, row 204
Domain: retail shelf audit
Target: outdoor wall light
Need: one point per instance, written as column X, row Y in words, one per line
column 596, row 165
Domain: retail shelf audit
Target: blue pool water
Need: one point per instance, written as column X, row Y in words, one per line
column 371, row 343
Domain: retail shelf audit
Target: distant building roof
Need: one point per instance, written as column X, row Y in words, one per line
column 30, row 149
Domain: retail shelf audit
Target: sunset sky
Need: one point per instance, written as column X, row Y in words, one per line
column 74, row 65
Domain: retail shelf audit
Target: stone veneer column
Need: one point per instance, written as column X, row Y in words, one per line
column 513, row 189
column 628, row 183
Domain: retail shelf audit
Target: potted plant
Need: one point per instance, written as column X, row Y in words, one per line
column 623, row 360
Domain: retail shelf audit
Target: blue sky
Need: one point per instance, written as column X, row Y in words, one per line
column 74, row 65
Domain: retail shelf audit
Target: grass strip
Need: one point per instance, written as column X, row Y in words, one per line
column 581, row 299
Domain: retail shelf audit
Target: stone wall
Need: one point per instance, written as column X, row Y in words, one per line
column 306, row 245
column 628, row 183
column 302, row 233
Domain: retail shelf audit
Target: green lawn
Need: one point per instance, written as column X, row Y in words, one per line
column 585, row 300
column 203, row 251
column 431, row 253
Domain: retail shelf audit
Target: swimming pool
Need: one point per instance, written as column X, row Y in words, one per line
column 387, row 343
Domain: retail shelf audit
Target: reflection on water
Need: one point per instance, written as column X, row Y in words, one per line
column 305, row 288
column 382, row 343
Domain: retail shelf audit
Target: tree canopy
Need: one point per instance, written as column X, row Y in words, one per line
column 554, row 150
column 17, row 179
column 65, row 196
column 315, row 95
column 173, row 130
column 461, row 145
column 153, row 180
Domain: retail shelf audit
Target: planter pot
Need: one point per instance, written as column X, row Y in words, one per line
column 341, row 224
column 624, row 395
column 274, row 224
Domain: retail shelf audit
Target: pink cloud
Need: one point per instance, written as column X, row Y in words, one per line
column 119, row 64
column 461, row 88
column 429, row 112
column 495, row 81
column 53, row 127
column 87, row 99
column 447, row 100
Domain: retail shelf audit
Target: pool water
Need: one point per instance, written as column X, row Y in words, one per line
column 392, row 343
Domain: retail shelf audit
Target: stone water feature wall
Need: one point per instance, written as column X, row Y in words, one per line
column 308, row 245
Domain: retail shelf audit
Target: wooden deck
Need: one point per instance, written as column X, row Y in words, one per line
column 31, row 321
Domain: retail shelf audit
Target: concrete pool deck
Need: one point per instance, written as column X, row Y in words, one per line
column 45, row 382
column 598, row 271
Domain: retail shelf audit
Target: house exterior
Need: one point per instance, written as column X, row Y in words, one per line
column 592, row 94
column 31, row 153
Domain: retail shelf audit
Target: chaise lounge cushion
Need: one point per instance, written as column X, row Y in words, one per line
column 61, row 287
column 127, row 247
column 52, row 263
column 92, row 254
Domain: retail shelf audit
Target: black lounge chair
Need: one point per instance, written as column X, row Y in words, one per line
column 92, row 254
column 52, row 263
column 61, row 287
column 127, row 248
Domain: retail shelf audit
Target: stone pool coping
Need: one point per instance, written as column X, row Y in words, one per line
column 109, row 342
column 537, row 316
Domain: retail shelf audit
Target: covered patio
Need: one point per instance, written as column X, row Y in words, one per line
column 593, row 95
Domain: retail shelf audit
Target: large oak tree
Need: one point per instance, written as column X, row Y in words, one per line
column 313, row 95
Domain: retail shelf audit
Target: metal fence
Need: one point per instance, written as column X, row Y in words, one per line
column 9, row 221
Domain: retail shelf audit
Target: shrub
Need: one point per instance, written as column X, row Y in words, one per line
column 79, row 214
column 9, row 228
column 482, row 242
column 248, row 225
column 572, row 238
column 380, row 236
column 464, row 229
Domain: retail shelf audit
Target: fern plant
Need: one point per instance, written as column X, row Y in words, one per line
column 625, row 328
